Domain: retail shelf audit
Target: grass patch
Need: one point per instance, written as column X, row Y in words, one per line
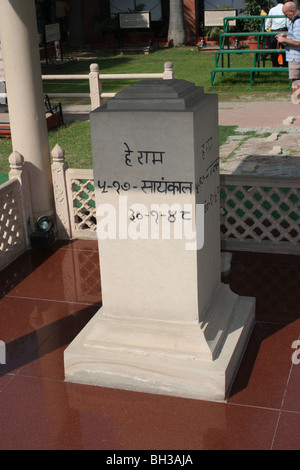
column 225, row 132
column 3, row 178
column 75, row 139
column 5, row 151
column 189, row 64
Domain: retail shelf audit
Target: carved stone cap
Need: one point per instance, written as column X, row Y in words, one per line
column 16, row 161
column 156, row 95
column 58, row 154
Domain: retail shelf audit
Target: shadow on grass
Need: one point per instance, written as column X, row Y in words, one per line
column 82, row 66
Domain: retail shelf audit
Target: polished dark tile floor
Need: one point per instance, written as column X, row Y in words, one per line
column 46, row 297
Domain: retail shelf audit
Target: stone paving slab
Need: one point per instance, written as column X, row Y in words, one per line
column 262, row 130
column 275, row 153
column 255, row 114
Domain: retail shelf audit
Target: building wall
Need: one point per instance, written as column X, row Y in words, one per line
column 215, row 4
column 75, row 23
column 90, row 12
column 95, row 10
column 191, row 16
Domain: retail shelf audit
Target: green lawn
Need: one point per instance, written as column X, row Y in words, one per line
column 189, row 64
column 3, row 178
column 73, row 137
column 75, row 140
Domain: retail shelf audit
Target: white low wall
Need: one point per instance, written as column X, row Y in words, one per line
column 13, row 236
column 256, row 213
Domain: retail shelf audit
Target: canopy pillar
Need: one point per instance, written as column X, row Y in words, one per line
column 21, row 60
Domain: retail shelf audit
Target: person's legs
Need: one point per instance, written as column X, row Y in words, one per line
column 272, row 44
column 285, row 63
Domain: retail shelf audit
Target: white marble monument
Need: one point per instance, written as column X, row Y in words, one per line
column 167, row 325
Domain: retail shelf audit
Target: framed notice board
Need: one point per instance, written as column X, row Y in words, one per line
column 216, row 17
column 137, row 20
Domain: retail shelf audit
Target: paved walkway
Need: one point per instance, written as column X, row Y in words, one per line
column 258, row 114
column 242, row 114
column 76, row 113
column 268, row 138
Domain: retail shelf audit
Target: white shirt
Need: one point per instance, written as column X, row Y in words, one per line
column 276, row 23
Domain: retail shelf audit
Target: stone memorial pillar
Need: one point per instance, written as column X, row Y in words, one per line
column 167, row 325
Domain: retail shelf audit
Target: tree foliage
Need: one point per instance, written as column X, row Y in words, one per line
column 253, row 8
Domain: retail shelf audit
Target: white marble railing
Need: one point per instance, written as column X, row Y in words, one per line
column 256, row 213
column 15, row 212
column 74, row 198
column 95, row 79
column 260, row 213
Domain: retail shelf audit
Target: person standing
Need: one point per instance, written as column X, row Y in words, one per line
column 264, row 9
column 292, row 46
column 276, row 25
column 264, row 12
column 61, row 17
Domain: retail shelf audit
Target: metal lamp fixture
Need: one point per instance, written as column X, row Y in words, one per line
column 44, row 224
column 43, row 235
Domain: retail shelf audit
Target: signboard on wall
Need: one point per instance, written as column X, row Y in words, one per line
column 52, row 32
column 122, row 6
column 216, row 17
column 139, row 19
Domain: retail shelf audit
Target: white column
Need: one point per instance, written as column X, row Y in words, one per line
column 19, row 39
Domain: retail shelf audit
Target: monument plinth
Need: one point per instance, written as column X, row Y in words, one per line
column 167, row 325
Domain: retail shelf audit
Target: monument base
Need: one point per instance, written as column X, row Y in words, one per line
column 188, row 360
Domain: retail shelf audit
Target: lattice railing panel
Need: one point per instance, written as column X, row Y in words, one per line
column 82, row 203
column 258, row 213
column 12, row 236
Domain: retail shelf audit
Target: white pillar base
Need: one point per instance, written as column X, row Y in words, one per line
column 188, row 360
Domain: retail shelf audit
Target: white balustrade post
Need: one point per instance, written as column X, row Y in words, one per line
column 18, row 170
column 168, row 71
column 22, row 68
column 59, row 168
column 95, row 86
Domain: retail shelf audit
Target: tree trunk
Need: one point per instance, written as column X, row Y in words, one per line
column 176, row 33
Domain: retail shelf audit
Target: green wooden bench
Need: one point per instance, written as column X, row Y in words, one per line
column 257, row 34
column 256, row 52
column 259, row 53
